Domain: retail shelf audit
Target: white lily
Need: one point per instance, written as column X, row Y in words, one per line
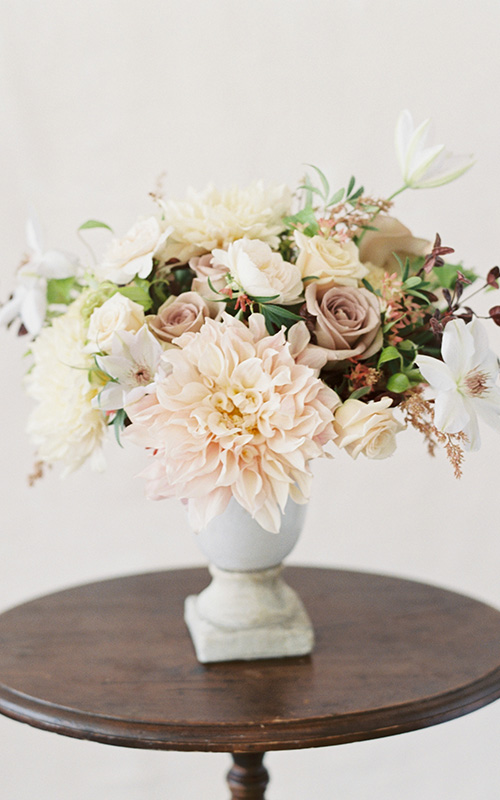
column 464, row 381
column 29, row 301
column 425, row 167
column 132, row 366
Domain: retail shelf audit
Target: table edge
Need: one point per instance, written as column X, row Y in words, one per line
column 234, row 737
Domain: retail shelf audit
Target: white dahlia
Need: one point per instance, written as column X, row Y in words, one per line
column 64, row 426
column 233, row 416
column 215, row 218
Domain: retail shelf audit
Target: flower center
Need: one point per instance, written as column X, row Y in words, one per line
column 476, row 383
column 143, row 376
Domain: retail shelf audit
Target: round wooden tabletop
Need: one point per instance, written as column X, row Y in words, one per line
column 113, row 662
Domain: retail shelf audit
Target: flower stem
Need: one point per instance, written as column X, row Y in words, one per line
column 377, row 212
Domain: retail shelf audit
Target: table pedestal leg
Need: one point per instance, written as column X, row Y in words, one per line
column 248, row 777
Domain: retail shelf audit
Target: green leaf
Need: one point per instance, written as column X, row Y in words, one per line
column 407, row 345
column 304, row 217
column 94, row 223
column 351, row 185
column 263, row 299
column 138, row 294
column 421, row 296
column 310, row 188
column 360, row 393
column 446, row 275
column 119, row 423
column 336, row 198
column 388, row 354
column 322, row 177
column 356, row 194
column 370, row 288
column 398, row 383
column 409, row 283
column 278, row 316
column 59, row 290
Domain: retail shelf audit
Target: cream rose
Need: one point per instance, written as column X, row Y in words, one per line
column 116, row 314
column 377, row 248
column 177, row 315
column 133, row 255
column 327, row 260
column 259, row 271
column 368, row 428
column 346, row 321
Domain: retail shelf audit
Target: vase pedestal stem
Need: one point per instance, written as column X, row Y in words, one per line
column 248, row 615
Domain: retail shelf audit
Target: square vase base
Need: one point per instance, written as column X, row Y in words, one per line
column 292, row 637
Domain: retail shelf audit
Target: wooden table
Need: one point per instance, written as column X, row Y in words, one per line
column 113, row 662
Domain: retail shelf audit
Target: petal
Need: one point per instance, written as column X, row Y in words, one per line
column 444, row 170
column 34, row 236
column 450, row 412
column 423, row 161
column 458, row 348
column 55, row 264
column 10, row 309
column 33, row 309
column 436, row 373
column 482, row 351
column 404, row 132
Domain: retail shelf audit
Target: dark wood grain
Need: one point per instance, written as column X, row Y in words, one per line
column 113, row 662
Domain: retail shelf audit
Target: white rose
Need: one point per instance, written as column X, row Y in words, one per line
column 368, row 428
column 116, row 314
column 133, row 255
column 329, row 261
column 259, row 271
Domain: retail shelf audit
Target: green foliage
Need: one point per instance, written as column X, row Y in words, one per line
column 305, row 219
column 94, row 223
column 446, row 276
column 276, row 316
column 399, row 382
column 389, row 353
column 360, row 392
column 118, row 424
column 138, row 292
column 60, row 290
column 370, row 288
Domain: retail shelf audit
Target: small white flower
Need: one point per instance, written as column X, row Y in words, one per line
column 132, row 366
column 29, row 301
column 425, row 167
column 464, row 381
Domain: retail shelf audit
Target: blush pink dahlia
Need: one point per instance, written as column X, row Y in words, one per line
column 233, row 415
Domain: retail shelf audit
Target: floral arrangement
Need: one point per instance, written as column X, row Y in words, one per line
column 236, row 334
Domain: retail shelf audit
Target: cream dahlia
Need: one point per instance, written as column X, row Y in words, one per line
column 64, row 426
column 215, row 218
column 233, row 415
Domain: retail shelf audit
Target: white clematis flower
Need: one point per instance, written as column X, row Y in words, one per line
column 464, row 381
column 132, row 366
column 425, row 167
column 29, row 301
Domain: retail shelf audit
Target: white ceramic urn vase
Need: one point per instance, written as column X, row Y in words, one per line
column 248, row 611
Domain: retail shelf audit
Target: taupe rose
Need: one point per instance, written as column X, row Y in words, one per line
column 177, row 315
column 377, row 248
column 206, row 271
column 346, row 321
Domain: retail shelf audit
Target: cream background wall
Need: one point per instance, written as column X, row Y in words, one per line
column 97, row 98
